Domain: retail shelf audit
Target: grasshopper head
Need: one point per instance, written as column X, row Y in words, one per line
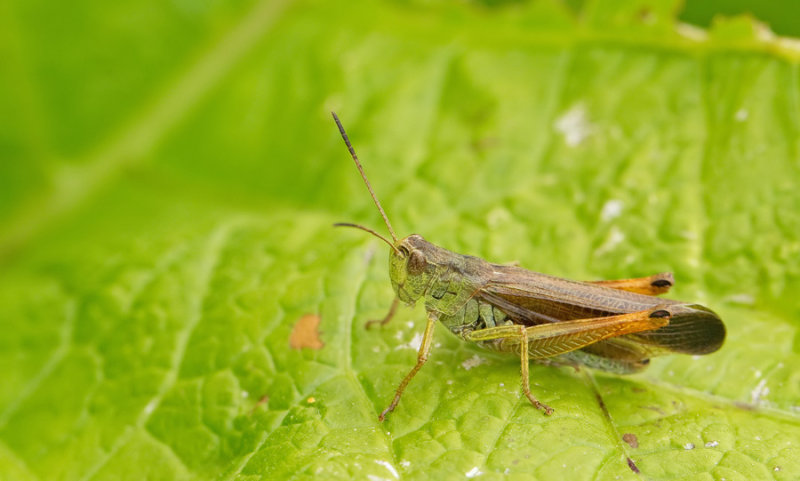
column 410, row 269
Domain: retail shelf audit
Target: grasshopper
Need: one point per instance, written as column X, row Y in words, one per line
column 613, row 325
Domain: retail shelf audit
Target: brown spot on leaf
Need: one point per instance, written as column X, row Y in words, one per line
column 654, row 408
column 261, row 402
column 305, row 333
column 631, row 439
column 633, row 466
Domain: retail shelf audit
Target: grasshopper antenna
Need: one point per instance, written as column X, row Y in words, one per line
column 384, row 239
column 369, row 187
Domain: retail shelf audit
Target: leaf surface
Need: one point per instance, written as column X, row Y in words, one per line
column 166, row 208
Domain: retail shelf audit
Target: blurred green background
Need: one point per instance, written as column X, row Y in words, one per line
column 169, row 174
column 137, row 86
column 776, row 14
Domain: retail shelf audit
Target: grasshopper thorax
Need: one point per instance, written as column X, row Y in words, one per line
column 410, row 267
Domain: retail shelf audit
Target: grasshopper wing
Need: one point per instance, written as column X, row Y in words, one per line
column 530, row 298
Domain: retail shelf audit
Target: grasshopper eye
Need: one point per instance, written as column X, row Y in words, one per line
column 403, row 251
column 416, row 262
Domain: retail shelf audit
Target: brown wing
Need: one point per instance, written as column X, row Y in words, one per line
column 530, row 298
column 693, row 329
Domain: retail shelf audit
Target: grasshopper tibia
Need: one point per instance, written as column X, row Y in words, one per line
column 422, row 356
column 526, row 382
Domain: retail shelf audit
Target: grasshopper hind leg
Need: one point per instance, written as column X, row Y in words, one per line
column 553, row 340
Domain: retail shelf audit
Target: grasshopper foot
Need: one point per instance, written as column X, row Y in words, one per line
column 538, row 405
column 381, row 322
column 385, row 412
column 386, row 319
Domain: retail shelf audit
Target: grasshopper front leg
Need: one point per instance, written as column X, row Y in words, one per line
column 422, row 356
column 650, row 285
column 549, row 340
column 388, row 317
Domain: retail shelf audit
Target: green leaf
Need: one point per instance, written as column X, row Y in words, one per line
column 170, row 176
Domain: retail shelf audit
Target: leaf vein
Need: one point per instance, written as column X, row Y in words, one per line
column 213, row 250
